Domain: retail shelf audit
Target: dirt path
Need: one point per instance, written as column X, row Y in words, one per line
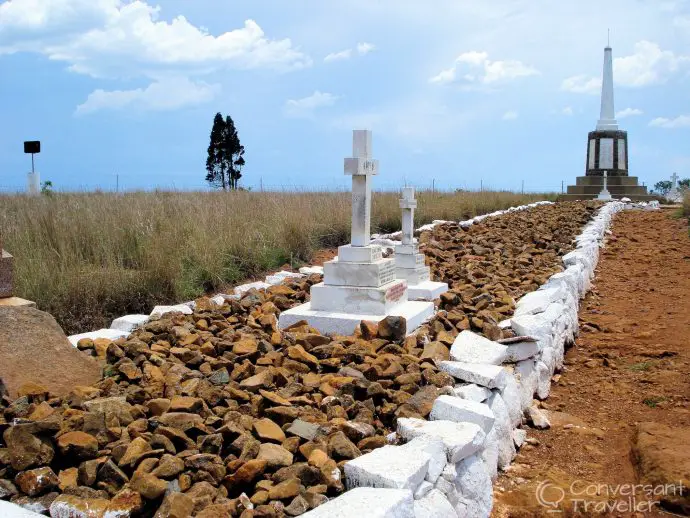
column 631, row 364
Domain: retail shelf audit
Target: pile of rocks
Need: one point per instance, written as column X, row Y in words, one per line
column 218, row 413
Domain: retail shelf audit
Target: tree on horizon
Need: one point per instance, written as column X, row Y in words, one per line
column 225, row 158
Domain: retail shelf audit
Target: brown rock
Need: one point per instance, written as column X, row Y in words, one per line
column 169, row 466
column 68, row 478
column 41, row 338
column 175, row 505
column 37, row 481
column 249, row 472
column 392, row 328
column 136, row 450
column 420, row 403
column 276, row 456
column 186, row 404
column 148, row 485
column 267, row 430
column 127, row 503
column 78, row 444
column 245, row 346
column 158, row 406
column 340, row 447
column 435, row 351
column 287, row 489
column 74, row 506
column 298, row 506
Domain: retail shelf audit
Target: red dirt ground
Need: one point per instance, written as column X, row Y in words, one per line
column 631, row 364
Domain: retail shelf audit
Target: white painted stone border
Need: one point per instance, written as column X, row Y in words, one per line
column 496, row 398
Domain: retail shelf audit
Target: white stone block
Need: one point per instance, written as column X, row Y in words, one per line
column 180, row 308
column 110, row 334
column 470, row 347
column 538, row 301
column 472, row 392
column 359, row 254
column 474, row 486
column 367, row 502
column 414, row 276
column 511, row 396
column 460, row 440
column 8, row 510
column 434, row 447
column 340, row 323
column 428, row 290
column 434, row 505
column 504, row 429
column 409, row 261
column 521, row 351
column 244, row 288
column 544, row 373
column 129, row 323
column 451, row 408
column 527, row 378
column 280, row 277
column 372, row 275
column 489, row 454
column 388, row 467
column 423, row 489
column 311, row 270
column 358, row 300
column 489, row 376
column 519, row 437
column 406, row 249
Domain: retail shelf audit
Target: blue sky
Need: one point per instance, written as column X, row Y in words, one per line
column 456, row 92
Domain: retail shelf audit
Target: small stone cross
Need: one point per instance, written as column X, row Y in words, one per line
column 675, row 179
column 362, row 168
column 606, row 175
column 408, row 204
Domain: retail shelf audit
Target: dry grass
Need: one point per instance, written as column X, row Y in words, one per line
column 87, row 258
column 686, row 204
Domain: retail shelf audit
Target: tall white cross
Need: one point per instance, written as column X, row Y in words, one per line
column 606, row 175
column 362, row 168
column 408, row 204
column 674, row 179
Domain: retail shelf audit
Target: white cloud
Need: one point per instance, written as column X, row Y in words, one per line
column 305, row 108
column 510, row 115
column 476, row 68
column 109, row 38
column 628, row 112
column 567, row 111
column 649, row 65
column 338, row 56
column 365, row 48
column 168, row 94
column 682, row 121
column 582, row 84
column 362, row 49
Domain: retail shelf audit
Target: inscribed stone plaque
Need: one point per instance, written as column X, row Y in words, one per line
column 621, row 154
column 395, row 293
column 592, row 149
column 606, row 153
column 387, row 273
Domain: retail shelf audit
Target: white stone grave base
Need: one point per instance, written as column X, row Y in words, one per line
column 110, row 334
column 327, row 322
column 428, row 290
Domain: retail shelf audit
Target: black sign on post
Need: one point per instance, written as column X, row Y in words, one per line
column 32, row 147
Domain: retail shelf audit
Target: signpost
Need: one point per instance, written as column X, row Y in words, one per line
column 33, row 147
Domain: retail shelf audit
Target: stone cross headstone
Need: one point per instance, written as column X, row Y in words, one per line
column 674, row 193
column 605, row 194
column 408, row 204
column 362, row 168
column 674, row 180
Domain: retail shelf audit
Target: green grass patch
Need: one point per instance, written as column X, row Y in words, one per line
column 641, row 367
column 653, row 402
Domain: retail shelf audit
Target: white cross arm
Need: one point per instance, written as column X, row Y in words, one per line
column 361, row 166
column 408, row 204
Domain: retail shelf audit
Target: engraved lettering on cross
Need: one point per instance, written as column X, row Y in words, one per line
column 362, row 168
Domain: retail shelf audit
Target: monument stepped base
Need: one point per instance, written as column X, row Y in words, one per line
column 428, row 290
column 589, row 187
column 334, row 323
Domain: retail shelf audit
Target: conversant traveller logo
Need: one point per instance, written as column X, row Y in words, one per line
column 590, row 497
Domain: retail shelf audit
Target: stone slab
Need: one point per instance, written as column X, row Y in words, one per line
column 110, row 334
column 353, row 299
column 17, row 302
column 460, row 440
column 371, row 275
column 367, row 502
column 360, row 254
column 484, row 374
column 428, row 290
column 409, row 261
column 179, row 308
column 470, row 347
column 388, row 467
column 279, row 277
column 33, row 348
column 434, row 505
column 414, row 276
column 339, row 323
column 129, row 323
column 432, row 446
column 244, row 288
column 472, row 392
column 8, row 510
column 451, row 408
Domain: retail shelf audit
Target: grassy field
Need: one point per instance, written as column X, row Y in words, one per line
column 87, row 258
